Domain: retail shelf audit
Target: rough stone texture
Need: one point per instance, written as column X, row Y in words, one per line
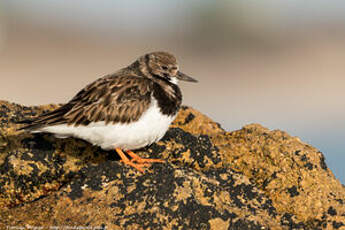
column 252, row 178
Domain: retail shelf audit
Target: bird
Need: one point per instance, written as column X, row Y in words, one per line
column 123, row 111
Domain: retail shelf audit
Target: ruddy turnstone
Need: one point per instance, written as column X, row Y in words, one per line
column 126, row 110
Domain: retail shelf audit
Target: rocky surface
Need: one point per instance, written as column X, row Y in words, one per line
column 253, row 178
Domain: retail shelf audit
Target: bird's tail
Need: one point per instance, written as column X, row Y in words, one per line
column 29, row 125
column 54, row 117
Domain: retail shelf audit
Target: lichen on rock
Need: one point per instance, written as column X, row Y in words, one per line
column 252, row 178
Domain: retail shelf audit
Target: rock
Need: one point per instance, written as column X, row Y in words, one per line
column 252, row 178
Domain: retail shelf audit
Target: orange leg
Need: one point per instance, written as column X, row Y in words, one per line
column 126, row 161
column 140, row 160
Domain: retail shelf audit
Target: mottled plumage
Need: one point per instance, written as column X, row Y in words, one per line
column 140, row 101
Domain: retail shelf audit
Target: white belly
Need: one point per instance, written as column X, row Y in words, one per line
column 150, row 128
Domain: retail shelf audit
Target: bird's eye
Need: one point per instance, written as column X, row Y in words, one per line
column 165, row 67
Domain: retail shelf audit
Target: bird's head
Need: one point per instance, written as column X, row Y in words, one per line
column 163, row 66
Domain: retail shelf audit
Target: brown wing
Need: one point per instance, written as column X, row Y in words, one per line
column 113, row 99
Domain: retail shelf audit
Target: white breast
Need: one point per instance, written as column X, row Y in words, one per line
column 150, row 128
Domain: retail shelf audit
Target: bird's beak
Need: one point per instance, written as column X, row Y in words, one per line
column 183, row 77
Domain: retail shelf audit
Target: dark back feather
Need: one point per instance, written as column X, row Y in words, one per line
column 112, row 99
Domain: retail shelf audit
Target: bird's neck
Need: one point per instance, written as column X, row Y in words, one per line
column 169, row 97
column 139, row 68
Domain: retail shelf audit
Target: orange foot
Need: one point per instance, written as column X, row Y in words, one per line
column 141, row 162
